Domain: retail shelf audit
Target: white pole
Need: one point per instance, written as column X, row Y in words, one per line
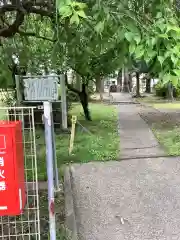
column 63, row 101
column 50, row 169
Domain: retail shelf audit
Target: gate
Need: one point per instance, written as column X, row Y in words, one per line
column 27, row 225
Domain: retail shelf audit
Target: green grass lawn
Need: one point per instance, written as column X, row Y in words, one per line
column 150, row 99
column 166, row 125
column 168, row 134
column 172, row 105
column 169, row 139
column 158, row 102
column 101, row 144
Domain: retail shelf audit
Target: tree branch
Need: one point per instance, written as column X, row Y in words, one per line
column 13, row 28
column 32, row 34
column 41, row 12
column 8, row 8
column 42, row 8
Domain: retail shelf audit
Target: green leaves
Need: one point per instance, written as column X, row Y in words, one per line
column 74, row 19
column 60, row 3
column 129, row 36
column 159, row 46
column 153, row 41
column 99, row 27
column 139, row 52
column 161, row 59
column 159, row 15
column 175, row 80
column 174, row 59
column 134, row 39
column 66, row 11
column 177, row 72
column 81, row 13
column 132, row 47
column 167, row 78
column 163, row 36
column 79, row 5
column 72, row 10
column 151, row 53
column 137, row 38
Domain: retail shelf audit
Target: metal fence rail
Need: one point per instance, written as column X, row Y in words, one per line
column 27, row 225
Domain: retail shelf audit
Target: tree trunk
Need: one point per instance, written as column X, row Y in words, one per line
column 170, row 91
column 100, row 86
column 130, row 83
column 46, row 71
column 126, row 81
column 83, row 96
column 78, row 82
column 137, row 85
column 119, row 81
column 148, row 85
column 119, row 78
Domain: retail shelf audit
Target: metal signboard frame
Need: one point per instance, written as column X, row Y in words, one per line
column 40, row 88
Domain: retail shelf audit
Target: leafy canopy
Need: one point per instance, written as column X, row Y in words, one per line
column 160, row 44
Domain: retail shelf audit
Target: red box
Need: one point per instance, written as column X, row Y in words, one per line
column 12, row 180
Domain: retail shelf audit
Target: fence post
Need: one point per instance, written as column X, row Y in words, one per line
column 56, row 173
column 49, row 162
column 63, row 101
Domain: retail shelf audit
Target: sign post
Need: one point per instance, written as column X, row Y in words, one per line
column 50, row 167
column 45, row 89
column 41, row 89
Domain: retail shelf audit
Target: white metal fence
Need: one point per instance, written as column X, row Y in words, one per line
column 27, row 225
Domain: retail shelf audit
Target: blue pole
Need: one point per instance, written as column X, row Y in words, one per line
column 50, row 171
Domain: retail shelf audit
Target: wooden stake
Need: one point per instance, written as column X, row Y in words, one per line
column 71, row 144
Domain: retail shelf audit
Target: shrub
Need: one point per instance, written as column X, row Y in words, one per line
column 72, row 97
column 8, row 97
column 177, row 91
column 162, row 90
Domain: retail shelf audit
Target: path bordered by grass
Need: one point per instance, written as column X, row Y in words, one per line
column 101, row 145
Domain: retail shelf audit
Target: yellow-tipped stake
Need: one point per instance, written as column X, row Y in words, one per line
column 71, row 144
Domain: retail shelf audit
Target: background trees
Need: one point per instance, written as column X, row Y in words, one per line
column 94, row 38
